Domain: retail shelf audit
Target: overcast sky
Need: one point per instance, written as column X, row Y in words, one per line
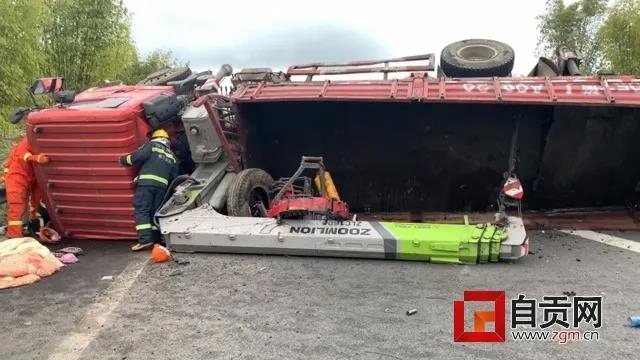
column 277, row 33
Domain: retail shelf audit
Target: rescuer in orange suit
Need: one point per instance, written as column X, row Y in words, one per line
column 21, row 187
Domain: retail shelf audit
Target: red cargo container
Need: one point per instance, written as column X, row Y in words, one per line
column 87, row 193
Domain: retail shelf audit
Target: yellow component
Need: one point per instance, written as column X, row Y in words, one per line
column 26, row 155
column 143, row 226
column 330, row 187
column 14, row 223
column 154, row 178
column 160, row 151
column 160, row 133
column 128, row 160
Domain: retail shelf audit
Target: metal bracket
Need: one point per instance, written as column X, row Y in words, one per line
column 363, row 66
column 607, row 90
column 441, row 89
column 307, row 162
column 550, row 90
column 497, row 88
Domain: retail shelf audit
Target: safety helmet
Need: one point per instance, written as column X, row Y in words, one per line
column 160, row 253
column 160, row 133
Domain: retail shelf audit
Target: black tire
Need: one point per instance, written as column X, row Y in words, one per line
column 477, row 58
column 162, row 77
column 248, row 188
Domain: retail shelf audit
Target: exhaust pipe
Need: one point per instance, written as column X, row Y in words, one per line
column 211, row 83
column 225, row 70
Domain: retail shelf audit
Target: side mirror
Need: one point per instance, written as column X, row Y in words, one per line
column 46, row 85
column 17, row 115
column 64, row 97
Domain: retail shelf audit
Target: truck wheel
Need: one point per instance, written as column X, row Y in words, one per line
column 162, row 77
column 477, row 58
column 249, row 189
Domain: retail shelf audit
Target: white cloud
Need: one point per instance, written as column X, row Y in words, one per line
column 278, row 33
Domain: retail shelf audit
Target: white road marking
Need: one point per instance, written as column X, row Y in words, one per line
column 606, row 239
column 74, row 344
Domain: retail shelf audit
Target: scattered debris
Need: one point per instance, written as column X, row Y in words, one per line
column 578, row 260
column 176, row 273
column 107, row 277
column 412, row 312
column 160, row 253
column 181, row 261
column 68, row 258
column 48, row 236
column 71, row 250
column 569, row 293
column 634, row 321
column 24, row 261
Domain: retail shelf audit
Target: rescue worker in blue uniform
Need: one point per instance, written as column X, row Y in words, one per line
column 158, row 166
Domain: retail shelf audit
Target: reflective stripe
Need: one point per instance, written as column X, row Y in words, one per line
column 26, row 156
column 6, row 170
column 167, row 154
column 128, row 159
column 14, row 222
column 154, row 178
column 143, row 226
column 153, row 227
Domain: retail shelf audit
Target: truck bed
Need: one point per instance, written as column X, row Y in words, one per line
column 423, row 145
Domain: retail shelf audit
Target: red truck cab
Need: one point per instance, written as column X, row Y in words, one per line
column 88, row 194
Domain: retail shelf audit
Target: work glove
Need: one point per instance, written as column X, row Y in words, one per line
column 123, row 161
column 39, row 159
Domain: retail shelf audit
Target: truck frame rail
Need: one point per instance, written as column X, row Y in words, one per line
column 576, row 90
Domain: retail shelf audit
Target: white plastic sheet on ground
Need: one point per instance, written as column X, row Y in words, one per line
column 24, row 261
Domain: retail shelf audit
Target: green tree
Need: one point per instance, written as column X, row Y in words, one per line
column 154, row 61
column 83, row 41
column 88, row 41
column 620, row 37
column 575, row 25
column 21, row 54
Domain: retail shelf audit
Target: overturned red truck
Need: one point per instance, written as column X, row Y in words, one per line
column 409, row 155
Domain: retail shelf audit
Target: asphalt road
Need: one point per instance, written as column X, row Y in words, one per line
column 273, row 307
